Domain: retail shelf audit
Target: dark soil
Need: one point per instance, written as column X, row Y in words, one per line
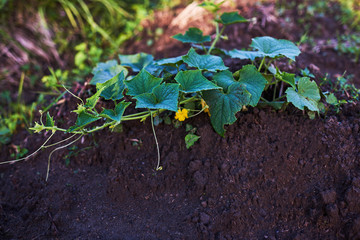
column 275, row 175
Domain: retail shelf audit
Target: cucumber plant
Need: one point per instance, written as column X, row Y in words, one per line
column 190, row 84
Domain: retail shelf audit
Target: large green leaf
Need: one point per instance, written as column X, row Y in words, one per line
column 307, row 95
column 193, row 35
column 272, row 47
column 254, row 83
column 106, row 71
column 172, row 62
column 142, row 83
column 228, row 18
column 241, row 54
column 84, row 118
column 193, row 81
column 113, row 89
column 101, row 66
column 164, row 96
column 117, row 113
column 224, row 79
column 136, row 61
column 204, row 62
column 224, row 105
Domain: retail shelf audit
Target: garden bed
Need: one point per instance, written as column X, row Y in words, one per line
column 275, row 174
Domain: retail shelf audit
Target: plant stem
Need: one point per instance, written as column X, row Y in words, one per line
column 274, row 93
column 217, row 37
column 264, row 99
column 156, row 141
column 98, row 128
column 49, row 159
column 261, row 64
column 276, row 99
column 204, row 49
column 137, row 114
column 198, row 112
column 64, row 140
column 20, row 88
column 188, row 100
column 21, row 159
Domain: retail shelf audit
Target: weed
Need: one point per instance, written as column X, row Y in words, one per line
column 350, row 45
column 191, row 137
column 19, row 152
column 14, row 114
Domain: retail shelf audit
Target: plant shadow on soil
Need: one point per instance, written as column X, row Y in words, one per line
column 275, row 175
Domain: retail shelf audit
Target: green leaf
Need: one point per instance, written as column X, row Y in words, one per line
column 190, row 139
column 272, row 47
column 164, row 96
column 223, row 106
column 193, row 81
column 172, row 62
column 192, row 35
column 80, row 58
column 83, row 119
column 288, row 78
column 311, row 115
column 331, row 99
column 4, row 130
column 106, row 71
column 142, row 83
column 37, row 128
column 210, row 6
column 254, row 83
column 224, row 79
column 113, row 89
column 245, row 54
column 49, row 120
column 117, row 113
column 101, row 66
column 91, row 101
column 204, row 62
column 228, row 18
column 136, row 61
column 2, row 3
column 308, row 95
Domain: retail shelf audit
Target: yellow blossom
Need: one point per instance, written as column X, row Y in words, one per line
column 181, row 115
column 203, row 105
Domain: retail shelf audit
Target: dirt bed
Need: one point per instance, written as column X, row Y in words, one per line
column 275, row 175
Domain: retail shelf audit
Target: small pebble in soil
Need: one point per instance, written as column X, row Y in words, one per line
column 328, row 196
column 204, row 218
column 352, row 197
column 199, row 179
column 332, row 211
column 194, row 166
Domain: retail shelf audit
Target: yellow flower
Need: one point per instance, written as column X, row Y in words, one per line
column 181, row 115
column 203, row 105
